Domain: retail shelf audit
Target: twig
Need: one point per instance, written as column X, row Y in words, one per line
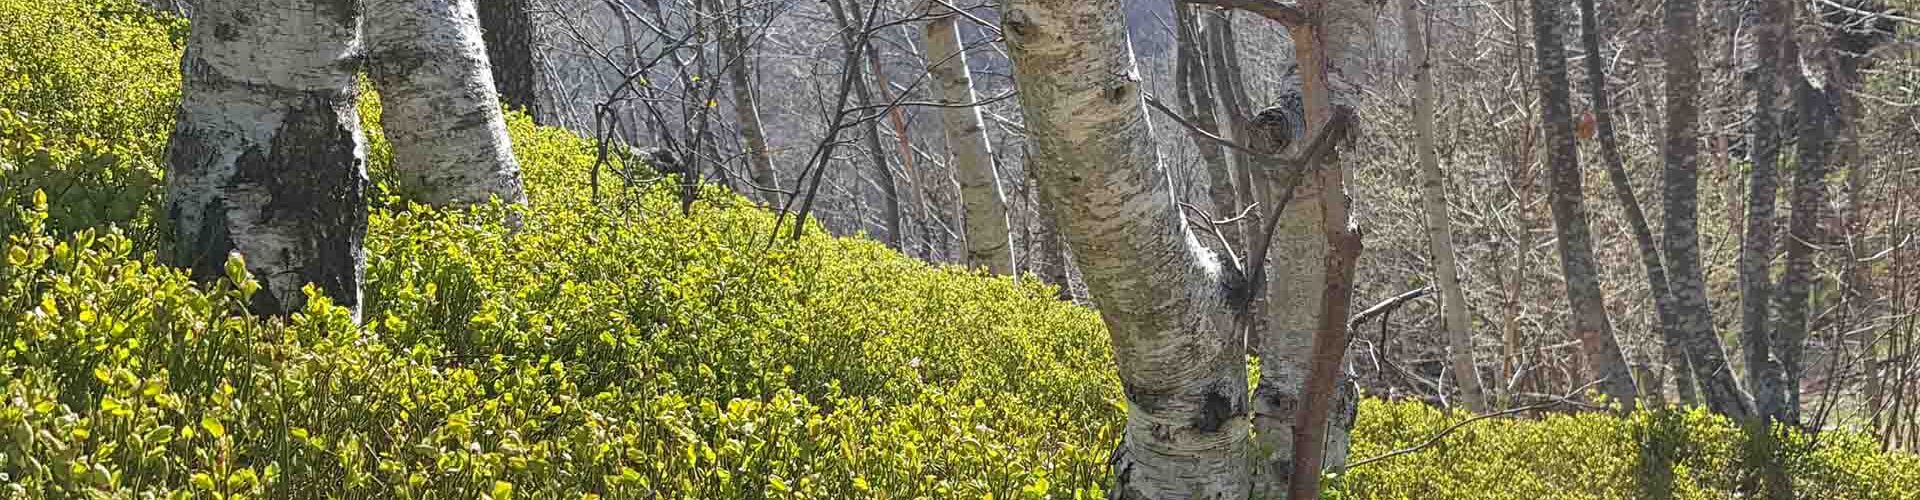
column 1387, row 306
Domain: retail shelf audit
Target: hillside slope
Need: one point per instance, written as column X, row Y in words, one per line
column 610, row 347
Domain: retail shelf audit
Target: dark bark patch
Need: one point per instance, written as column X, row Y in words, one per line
column 1277, row 402
column 1215, row 410
column 315, row 190
column 225, row 32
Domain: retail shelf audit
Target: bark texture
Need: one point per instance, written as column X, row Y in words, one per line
column 266, row 157
column 1193, row 86
column 1591, row 34
column 438, row 104
column 1718, row 386
column 1158, row 290
column 1433, row 198
column 1756, row 249
column 1588, row 317
column 513, row 48
column 984, row 202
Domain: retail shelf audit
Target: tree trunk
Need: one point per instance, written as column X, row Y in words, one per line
column 1803, row 230
column 1433, row 197
column 1194, row 87
column 737, row 52
column 513, row 48
column 266, row 158
column 1588, row 314
column 1590, row 40
column 1756, row 250
column 1718, row 387
column 984, row 201
column 439, row 109
column 1158, row 291
column 863, row 96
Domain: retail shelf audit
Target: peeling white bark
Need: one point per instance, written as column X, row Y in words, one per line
column 1158, row 290
column 988, row 237
column 439, row 106
column 266, row 157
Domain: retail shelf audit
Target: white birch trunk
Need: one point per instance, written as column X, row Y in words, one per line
column 266, row 157
column 1325, row 50
column 439, row 106
column 987, row 234
column 1158, row 290
column 1433, row 198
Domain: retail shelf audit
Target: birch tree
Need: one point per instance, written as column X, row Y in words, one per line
column 1439, row 221
column 266, row 158
column 987, row 235
column 438, row 103
column 1157, row 289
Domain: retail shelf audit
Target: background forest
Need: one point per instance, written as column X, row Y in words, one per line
column 760, row 256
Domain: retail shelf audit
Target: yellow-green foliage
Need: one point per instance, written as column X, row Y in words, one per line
column 87, row 90
column 613, row 347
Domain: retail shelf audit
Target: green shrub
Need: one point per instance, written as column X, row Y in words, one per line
column 87, row 91
column 611, row 346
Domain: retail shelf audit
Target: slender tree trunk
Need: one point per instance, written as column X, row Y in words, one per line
column 737, row 51
column 863, row 96
column 1756, row 250
column 1157, row 291
column 1588, row 315
column 1803, row 231
column 1718, row 387
column 983, row 200
column 513, row 48
column 266, row 158
column 1192, row 83
column 1433, row 196
column 439, row 108
column 1590, row 39
column 1223, row 69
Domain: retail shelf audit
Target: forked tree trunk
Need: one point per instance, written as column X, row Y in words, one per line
column 1433, row 198
column 737, row 54
column 1590, row 39
column 1756, row 248
column 1588, row 314
column 1157, row 289
column 439, row 107
column 1718, row 387
column 266, row 157
column 983, row 200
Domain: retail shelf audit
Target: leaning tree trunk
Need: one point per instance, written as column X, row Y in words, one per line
column 266, row 158
column 1157, row 290
column 737, row 53
column 513, row 48
column 439, row 108
column 1567, row 200
column 1433, row 197
column 984, row 202
column 1718, row 387
column 1756, row 249
column 1590, row 40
